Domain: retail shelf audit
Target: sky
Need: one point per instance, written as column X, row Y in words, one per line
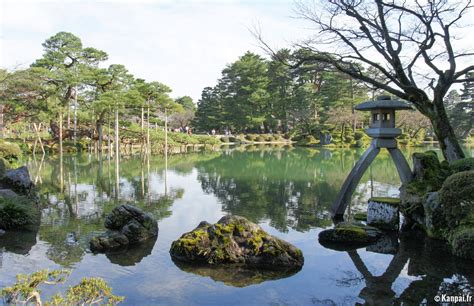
column 184, row 44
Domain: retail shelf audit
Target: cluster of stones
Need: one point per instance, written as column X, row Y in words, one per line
column 18, row 209
column 232, row 240
column 440, row 201
column 127, row 225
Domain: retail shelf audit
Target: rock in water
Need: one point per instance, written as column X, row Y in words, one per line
column 349, row 234
column 19, row 180
column 235, row 240
column 127, row 225
column 383, row 213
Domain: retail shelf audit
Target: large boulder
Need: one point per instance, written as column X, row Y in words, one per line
column 235, row 240
column 434, row 218
column 126, row 225
column 351, row 235
column 19, row 180
column 428, row 176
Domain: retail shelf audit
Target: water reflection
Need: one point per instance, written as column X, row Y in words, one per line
column 70, row 218
column 133, row 254
column 287, row 191
column 235, row 276
column 437, row 273
column 294, row 189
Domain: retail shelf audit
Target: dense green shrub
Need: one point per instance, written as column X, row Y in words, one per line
column 308, row 141
column 207, row 140
column 225, row 139
column 10, row 151
column 17, row 213
column 456, row 198
column 251, row 137
column 464, row 164
column 261, row 138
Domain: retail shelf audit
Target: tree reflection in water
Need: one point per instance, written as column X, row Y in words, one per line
column 292, row 188
column 70, row 218
column 430, row 260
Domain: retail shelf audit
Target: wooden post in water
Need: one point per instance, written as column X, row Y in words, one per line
column 143, row 129
column 148, row 149
column 61, row 173
column 75, row 115
column 1, row 120
column 166, row 152
column 117, row 155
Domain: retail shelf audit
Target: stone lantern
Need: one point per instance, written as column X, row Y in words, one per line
column 383, row 132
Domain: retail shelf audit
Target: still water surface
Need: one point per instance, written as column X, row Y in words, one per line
column 287, row 191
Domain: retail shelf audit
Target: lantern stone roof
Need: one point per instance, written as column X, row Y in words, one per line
column 383, row 102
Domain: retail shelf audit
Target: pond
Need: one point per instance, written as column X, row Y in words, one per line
column 288, row 191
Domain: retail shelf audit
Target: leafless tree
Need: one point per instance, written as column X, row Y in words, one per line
column 410, row 43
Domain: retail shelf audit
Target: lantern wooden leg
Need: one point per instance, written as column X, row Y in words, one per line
column 401, row 163
column 352, row 180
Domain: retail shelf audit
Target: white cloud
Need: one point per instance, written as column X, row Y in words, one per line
column 184, row 44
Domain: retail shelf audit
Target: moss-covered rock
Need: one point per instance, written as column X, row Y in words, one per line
column 17, row 213
column 235, row 240
column 428, row 176
column 350, row 234
column 457, row 198
column 427, row 170
column 462, row 242
column 464, row 164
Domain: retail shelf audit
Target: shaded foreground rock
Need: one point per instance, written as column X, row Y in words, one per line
column 235, row 240
column 19, row 180
column 236, row 276
column 349, row 235
column 127, row 225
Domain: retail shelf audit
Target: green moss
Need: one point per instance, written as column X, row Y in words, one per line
column 307, row 141
column 456, row 198
column 9, row 151
column 464, row 164
column 360, row 216
column 17, row 213
column 462, row 242
column 231, row 240
column 4, row 166
column 392, row 201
